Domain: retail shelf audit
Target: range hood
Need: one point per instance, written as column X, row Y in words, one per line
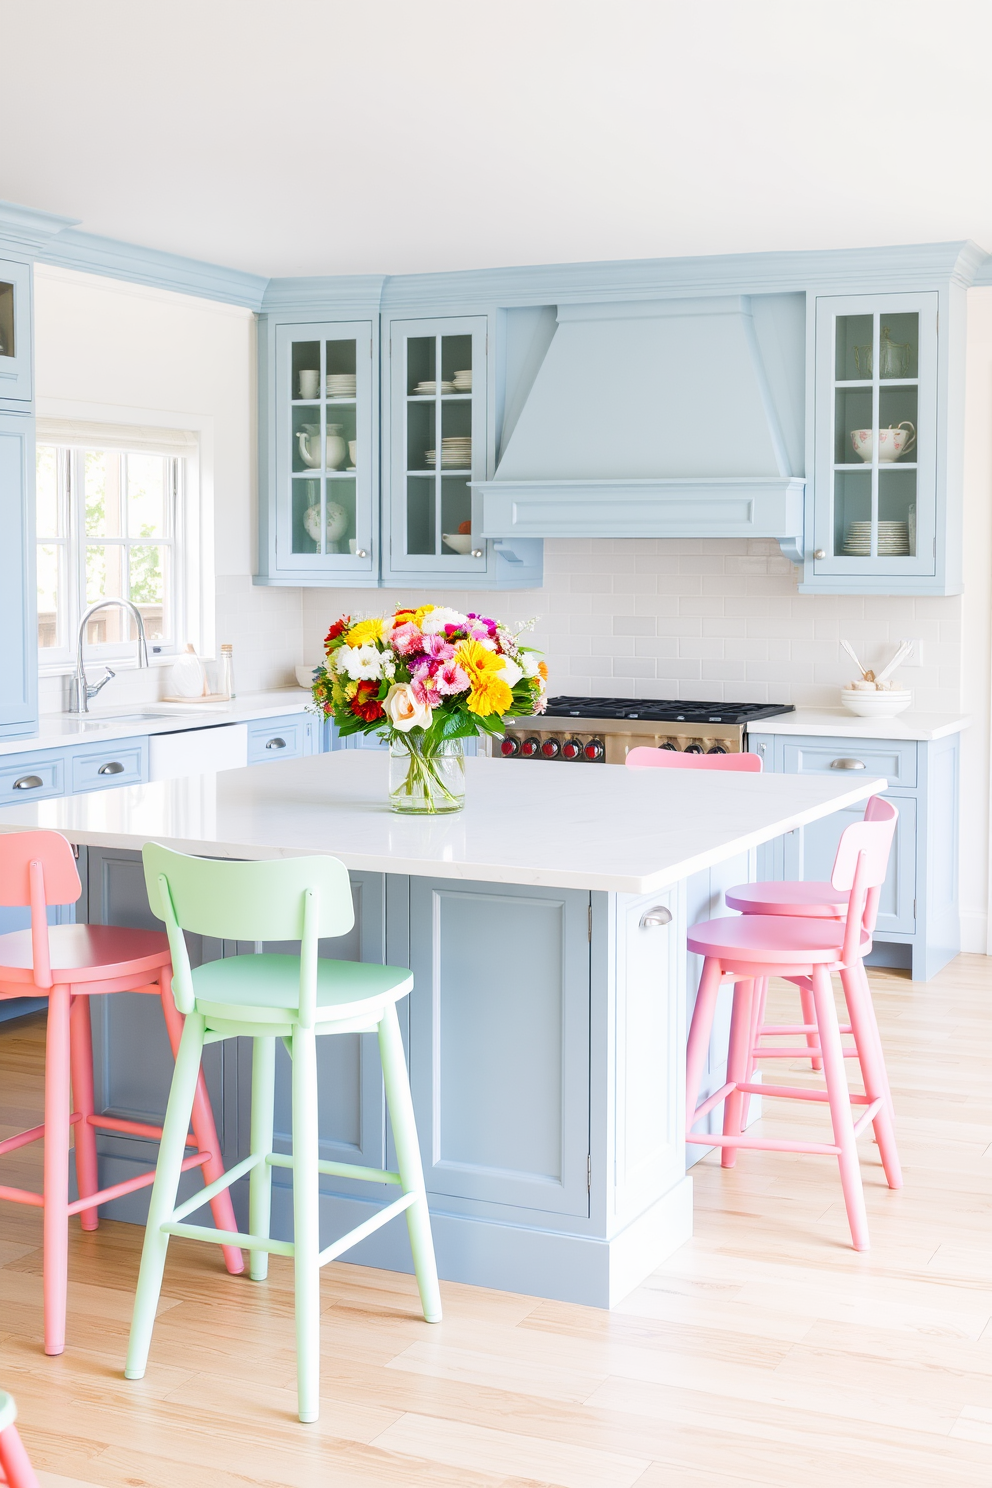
column 668, row 418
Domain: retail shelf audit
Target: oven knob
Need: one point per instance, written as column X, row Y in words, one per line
column 551, row 749
column 509, row 747
column 693, row 749
column 529, row 748
column 571, row 749
column 669, row 745
column 716, row 749
column 594, row 750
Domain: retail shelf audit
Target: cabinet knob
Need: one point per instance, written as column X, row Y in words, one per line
column 361, row 553
column 820, row 553
column 112, row 767
column 847, row 764
column 276, row 744
column 657, row 916
column 28, row 782
column 477, row 553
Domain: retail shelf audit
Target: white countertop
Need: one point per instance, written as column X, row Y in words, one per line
column 839, row 722
column 553, row 823
column 55, row 730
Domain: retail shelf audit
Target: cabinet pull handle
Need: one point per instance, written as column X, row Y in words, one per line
column 657, row 916
column 361, row 553
column 28, row 782
column 847, row 764
column 820, row 553
column 276, row 744
column 112, row 767
column 477, row 553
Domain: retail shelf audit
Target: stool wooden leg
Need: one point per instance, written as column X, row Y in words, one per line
column 737, row 1065
column 306, row 1222
column 205, row 1132
column 81, row 1064
column 758, row 1000
column 162, row 1205
column 263, row 1085
column 699, row 1035
column 809, row 1016
column 840, row 1106
column 56, row 1169
column 17, row 1469
column 872, row 1064
column 401, row 1116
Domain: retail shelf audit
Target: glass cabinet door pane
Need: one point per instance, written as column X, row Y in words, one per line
column 305, row 371
column 421, row 433
column 896, row 513
column 421, row 357
column 456, row 363
column 852, row 513
column 854, row 348
column 852, row 425
column 898, row 418
column 456, row 514
column 7, row 347
column 899, row 346
column 420, row 508
column 305, row 517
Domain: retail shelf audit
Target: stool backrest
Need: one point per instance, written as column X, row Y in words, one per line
column 38, row 869
column 300, row 899
column 860, row 865
column 644, row 758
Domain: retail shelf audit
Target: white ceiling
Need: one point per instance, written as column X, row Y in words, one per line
column 391, row 136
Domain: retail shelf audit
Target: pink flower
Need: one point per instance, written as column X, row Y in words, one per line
column 407, row 638
column 424, row 691
column 451, row 678
column 437, row 648
column 541, row 703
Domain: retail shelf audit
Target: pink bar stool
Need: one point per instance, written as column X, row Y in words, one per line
column 646, row 758
column 804, row 950
column 16, row 1470
column 810, row 900
column 68, row 964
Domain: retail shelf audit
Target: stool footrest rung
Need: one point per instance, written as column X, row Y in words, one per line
column 130, row 1185
column 369, row 1227
column 800, row 1092
column 807, row 1051
column 21, row 1196
column 766, row 1144
column 338, row 1169
column 867, row 1116
column 229, row 1237
column 218, row 1186
column 712, row 1100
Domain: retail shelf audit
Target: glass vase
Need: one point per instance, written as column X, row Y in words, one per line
column 426, row 782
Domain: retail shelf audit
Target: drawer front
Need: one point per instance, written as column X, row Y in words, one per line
column 895, row 759
column 122, row 763
column 276, row 738
column 28, row 777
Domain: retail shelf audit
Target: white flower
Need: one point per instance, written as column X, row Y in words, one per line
column 511, row 672
column 360, row 663
column 403, row 710
column 437, row 619
column 388, row 664
column 528, row 663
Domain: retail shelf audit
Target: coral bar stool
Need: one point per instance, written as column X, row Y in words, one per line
column 805, row 951
column 264, row 998
column 17, row 1470
column 646, row 758
column 69, row 964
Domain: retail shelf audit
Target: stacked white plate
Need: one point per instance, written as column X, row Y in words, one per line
column 893, row 540
column 456, row 452
column 463, row 381
column 428, row 389
column 340, row 384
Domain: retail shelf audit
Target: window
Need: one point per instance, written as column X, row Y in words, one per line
column 109, row 524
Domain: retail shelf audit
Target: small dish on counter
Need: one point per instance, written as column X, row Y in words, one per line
column 871, row 702
column 304, row 675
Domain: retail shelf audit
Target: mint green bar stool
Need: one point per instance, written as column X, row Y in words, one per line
column 262, row 997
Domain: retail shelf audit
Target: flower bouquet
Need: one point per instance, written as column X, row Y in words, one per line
column 427, row 679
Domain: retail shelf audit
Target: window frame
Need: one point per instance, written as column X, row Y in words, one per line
column 73, row 540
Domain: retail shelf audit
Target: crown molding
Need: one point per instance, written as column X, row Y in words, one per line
column 91, row 254
column 361, row 293
column 26, row 229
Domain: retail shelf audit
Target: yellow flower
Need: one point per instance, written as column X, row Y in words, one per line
column 477, row 659
column 365, row 631
column 418, row 615
column 489, row 695
column 350, row 688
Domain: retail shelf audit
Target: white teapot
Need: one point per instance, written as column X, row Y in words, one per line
column 335, row 448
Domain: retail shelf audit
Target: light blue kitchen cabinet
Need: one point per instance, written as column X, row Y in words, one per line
column 287, row 737
column 918, row 923
column 16, row 342
column 883, row 508
column 438, row 439
column 318, row 467
column 18, row 594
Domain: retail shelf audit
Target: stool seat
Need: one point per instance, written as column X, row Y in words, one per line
column 84, row 953
column 264, row 989
column 810, row 900
column 772, row 938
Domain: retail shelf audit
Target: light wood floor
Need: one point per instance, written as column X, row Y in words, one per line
column 764, row 1352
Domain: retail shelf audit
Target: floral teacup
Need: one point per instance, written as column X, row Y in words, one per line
column 892, row 442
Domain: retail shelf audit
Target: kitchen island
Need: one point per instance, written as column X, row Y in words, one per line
column 545, row 926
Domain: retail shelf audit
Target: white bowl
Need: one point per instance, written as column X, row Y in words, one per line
column 304, row 675
column 458, row 542
column 884, row 704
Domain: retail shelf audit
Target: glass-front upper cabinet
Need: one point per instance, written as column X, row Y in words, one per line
column 324, row 456
column 875, row 493
column 437, row 447
column 15, row 333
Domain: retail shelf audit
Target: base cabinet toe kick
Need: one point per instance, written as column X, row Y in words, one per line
column 547, row 1082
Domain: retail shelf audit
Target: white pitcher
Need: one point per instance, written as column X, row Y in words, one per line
column 335, row 448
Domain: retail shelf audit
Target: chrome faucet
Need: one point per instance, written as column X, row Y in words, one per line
column 80, row 691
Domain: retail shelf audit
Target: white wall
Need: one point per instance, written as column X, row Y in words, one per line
column 105, row 349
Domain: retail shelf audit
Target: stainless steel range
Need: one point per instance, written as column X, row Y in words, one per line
column 599, row 730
